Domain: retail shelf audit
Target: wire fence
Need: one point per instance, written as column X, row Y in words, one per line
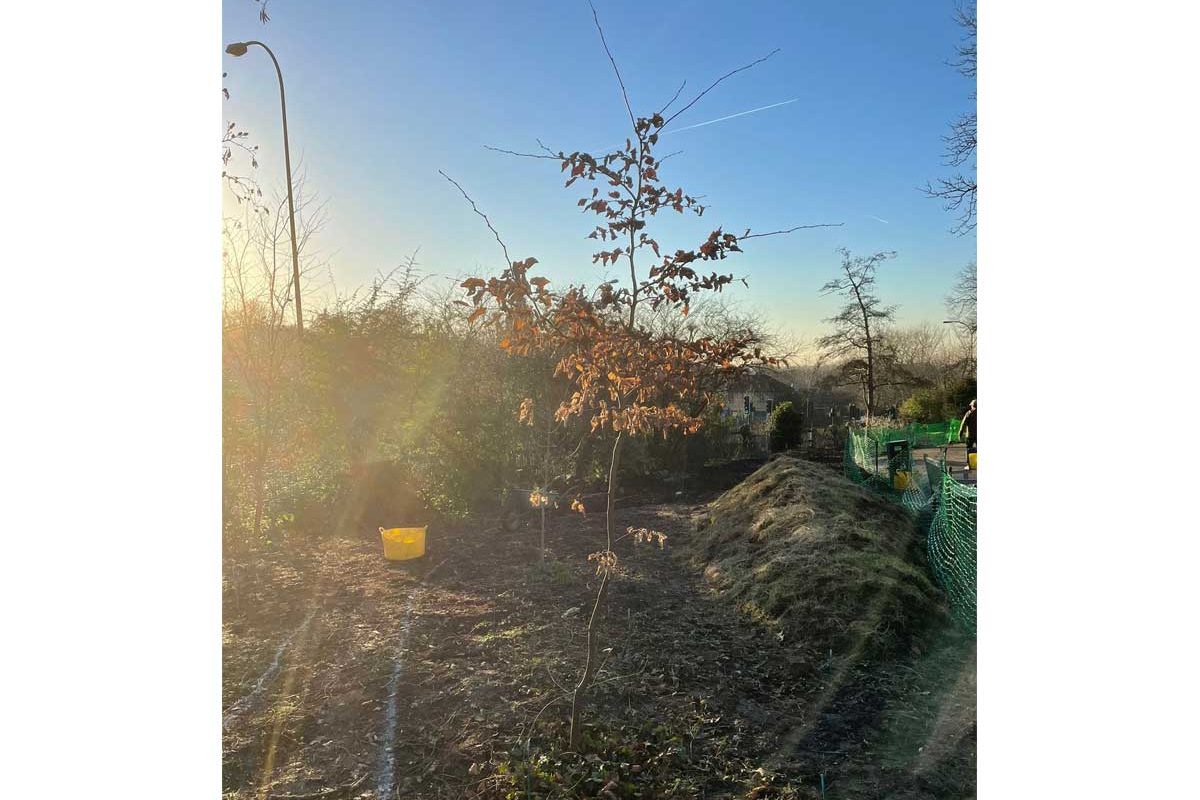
column 951, row 542
column 944, row 508
column 932, row 434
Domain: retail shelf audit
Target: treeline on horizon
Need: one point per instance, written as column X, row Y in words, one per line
column 392, row 409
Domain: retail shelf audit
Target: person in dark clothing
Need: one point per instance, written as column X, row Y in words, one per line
column 966, row 429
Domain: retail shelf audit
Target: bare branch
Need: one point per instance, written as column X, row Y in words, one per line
column 965, row 16
column 789, row 230
column 958, row 193
column 603, row 41
column 671, row 102
column 714, row 85
column 475, row 208
column 521, row 155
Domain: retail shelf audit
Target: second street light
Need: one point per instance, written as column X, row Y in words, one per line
column 239, row 49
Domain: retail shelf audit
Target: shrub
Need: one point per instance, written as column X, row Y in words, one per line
column 959, row 396
column 925, row 405
column 785, row 427
column 938, row 404
column 716, row 441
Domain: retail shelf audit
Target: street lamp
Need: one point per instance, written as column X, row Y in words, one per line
column 239, row 49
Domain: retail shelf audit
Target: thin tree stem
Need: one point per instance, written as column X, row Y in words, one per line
column 589, row 666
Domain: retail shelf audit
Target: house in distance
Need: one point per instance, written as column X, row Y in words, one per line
column 749, row 401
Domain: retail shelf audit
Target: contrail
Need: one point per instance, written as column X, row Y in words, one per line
column 884, row 221
column 731, row 116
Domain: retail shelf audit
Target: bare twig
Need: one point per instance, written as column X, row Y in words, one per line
column 475, row 208
column 714, row 85
column 797, row 228
column 603, row 41
column 521, row 155
column 663, row 110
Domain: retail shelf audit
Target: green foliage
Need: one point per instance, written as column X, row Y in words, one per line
column 785, row 427
column 924, row 405
column 389, row 414
column 938, row 404
column 716, row 441
column 960, row 396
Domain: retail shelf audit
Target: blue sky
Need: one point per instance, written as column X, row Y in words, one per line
column 383, row 94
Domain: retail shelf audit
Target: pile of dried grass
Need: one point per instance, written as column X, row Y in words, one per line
column 834, row 566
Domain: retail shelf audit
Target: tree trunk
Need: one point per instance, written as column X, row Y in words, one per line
column 260, row 480
column 870, row 377
column 593, row 639
column 545, row 489
column 589, row 668
column 542, row 542
column 612, row 487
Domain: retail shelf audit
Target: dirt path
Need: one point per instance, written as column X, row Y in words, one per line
column 453, row 685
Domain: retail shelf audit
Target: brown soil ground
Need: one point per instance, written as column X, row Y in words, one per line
column 699, row 696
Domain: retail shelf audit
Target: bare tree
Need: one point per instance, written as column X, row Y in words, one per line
column 957, row 192
column 961, row 303
column 255, row 354
column 961, row 308
column 257, row 267
column 855, row 341
column 920, row 350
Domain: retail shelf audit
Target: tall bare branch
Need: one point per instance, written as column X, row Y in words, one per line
column 717, row 82
column 475, row 208
column 958, row 192
column 613, row 61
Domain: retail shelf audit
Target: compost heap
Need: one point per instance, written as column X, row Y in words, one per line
column 840, row 570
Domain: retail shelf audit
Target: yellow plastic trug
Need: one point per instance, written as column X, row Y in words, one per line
column 972, row 460
column 901, row 481
column 401, row 544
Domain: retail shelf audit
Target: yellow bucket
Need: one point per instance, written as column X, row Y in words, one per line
column 972, row 460
column 401, row 544
column 901, row 481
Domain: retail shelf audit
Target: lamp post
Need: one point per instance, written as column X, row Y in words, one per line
column 239, row 49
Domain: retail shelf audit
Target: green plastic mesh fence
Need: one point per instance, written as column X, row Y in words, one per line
column 952, row 547
column 943, row 507
column 933, row 434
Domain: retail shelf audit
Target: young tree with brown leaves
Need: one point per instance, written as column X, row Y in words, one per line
column 626, row 377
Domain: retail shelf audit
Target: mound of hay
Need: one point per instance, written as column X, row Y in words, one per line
column 834, row 566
